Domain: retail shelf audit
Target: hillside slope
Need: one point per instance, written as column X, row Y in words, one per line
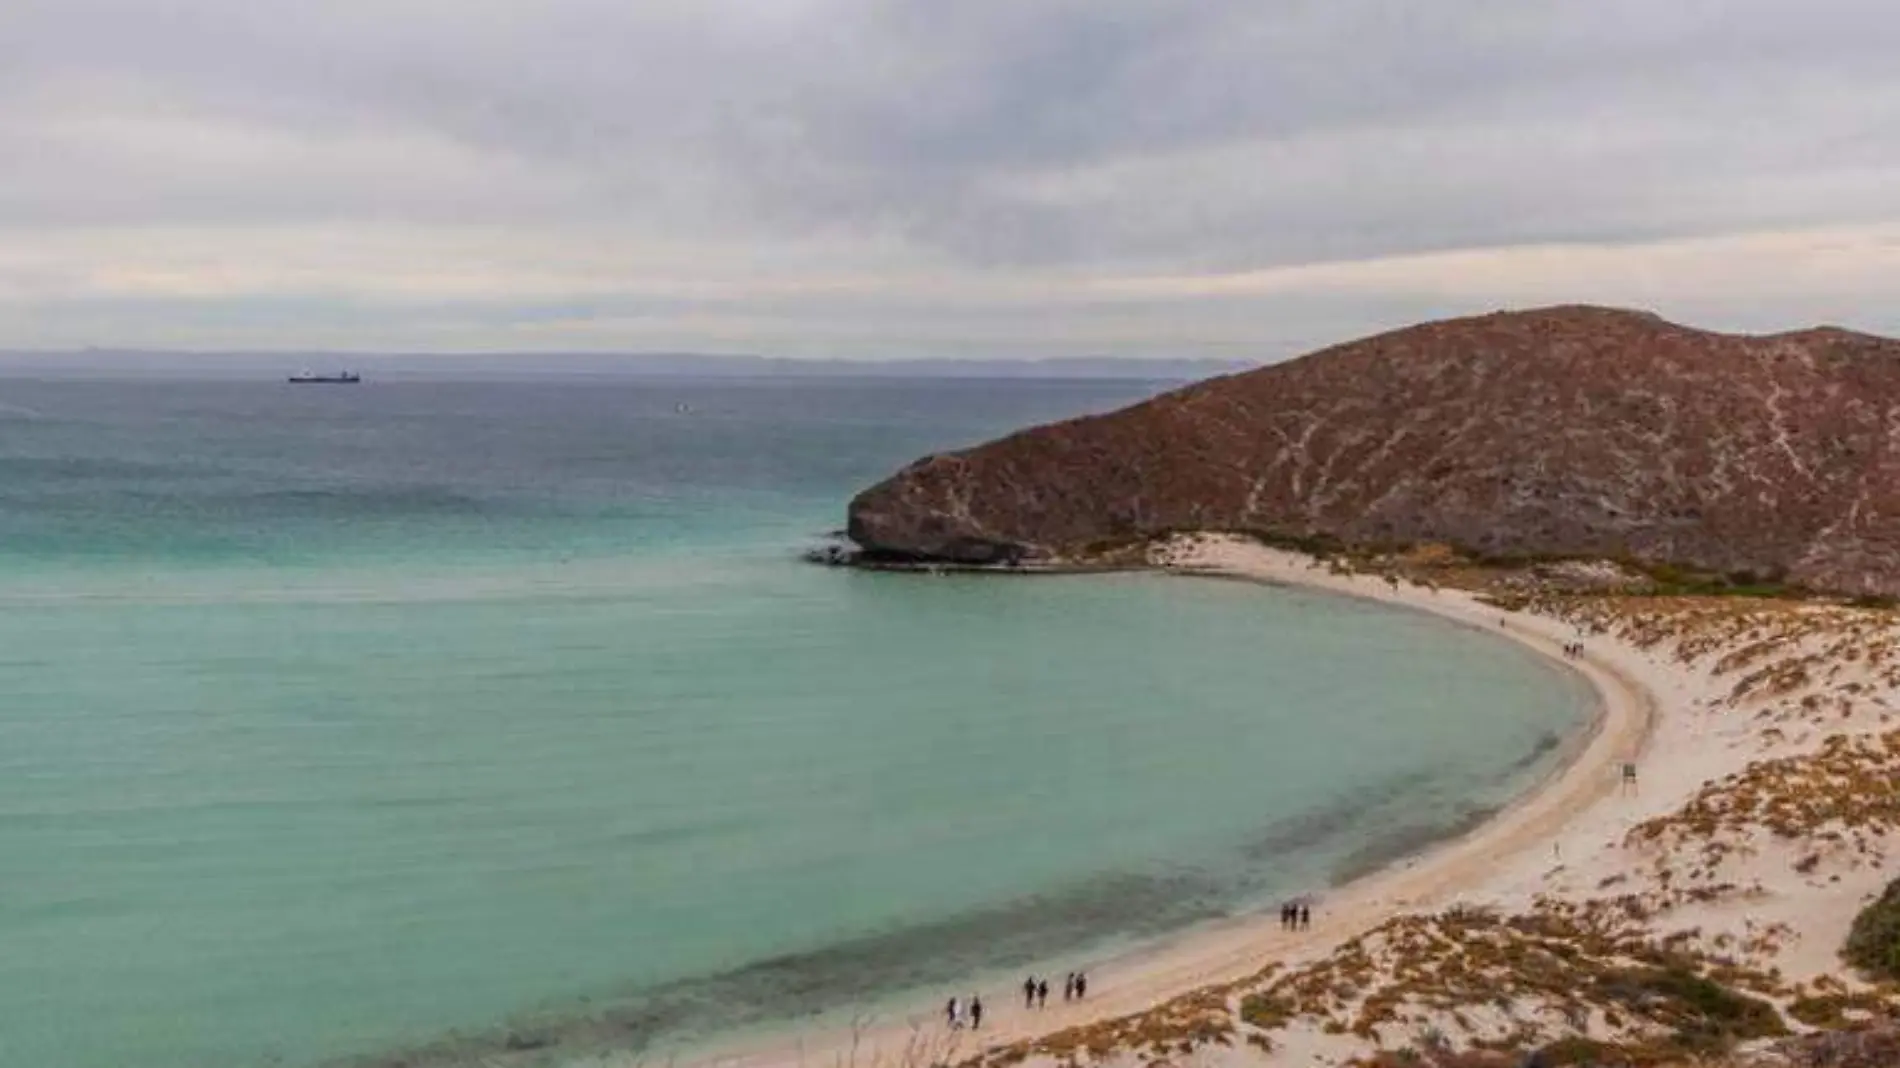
column 1560, row 431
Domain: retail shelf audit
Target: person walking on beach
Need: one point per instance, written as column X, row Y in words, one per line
column 976, row 1012
column 1068, row 988
column 1306, row 918
column 1081, row 985
column 952, row 1014
column 1029, row 992
column 1042, row 992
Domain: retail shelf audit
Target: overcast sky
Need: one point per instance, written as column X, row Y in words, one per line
column 940, row 177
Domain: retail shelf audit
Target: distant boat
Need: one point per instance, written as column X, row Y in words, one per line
column 311, row 378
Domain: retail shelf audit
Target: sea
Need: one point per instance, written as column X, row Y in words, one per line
column 419, row 721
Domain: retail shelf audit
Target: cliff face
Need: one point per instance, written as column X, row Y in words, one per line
column 1573, row 431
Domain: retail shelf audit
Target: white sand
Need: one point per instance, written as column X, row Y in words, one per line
column 1564, row 838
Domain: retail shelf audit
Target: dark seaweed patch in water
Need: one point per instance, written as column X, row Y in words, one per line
column 1290, row 836
column 1546, row 742
column 1396, row 802
column 1389, row 845
column 838, row 976
column 1321, row 825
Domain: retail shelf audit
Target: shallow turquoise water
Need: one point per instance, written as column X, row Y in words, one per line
column 314, row 754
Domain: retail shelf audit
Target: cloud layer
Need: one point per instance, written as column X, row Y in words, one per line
column 882, row 179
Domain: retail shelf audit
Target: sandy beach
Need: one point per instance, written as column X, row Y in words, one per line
column 1500, row 862
column 1759, row 820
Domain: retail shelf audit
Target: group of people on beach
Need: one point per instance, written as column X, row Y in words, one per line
column 1573, row 650
column 1036, row 991
column 1296, row 916
column 958, row 1012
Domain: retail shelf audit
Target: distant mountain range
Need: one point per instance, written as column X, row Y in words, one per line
column 410, row 365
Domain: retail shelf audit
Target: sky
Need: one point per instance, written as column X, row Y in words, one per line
column 876, row 180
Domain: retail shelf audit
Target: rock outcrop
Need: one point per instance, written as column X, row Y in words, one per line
column 1569, row 431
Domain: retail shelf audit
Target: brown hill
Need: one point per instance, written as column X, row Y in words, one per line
column 1563, row 431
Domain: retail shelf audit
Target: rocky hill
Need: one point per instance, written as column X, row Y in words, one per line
column 1569, row 431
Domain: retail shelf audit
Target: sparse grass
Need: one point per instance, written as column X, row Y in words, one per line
column 1840, row 1011
column 1549, row 970
column 1841, row 798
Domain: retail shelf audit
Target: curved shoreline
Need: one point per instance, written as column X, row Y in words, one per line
column 1225, row 951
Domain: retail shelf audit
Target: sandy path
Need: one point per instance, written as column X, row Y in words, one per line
column 1240, row 947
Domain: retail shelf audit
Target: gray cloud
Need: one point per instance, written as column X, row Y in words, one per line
column 881, row 178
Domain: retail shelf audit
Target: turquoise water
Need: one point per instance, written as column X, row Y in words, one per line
column 338, row 726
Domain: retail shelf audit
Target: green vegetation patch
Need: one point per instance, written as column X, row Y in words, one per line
column 1579, row 1051
column 1873, row 943
column 1705, row 1015
column 1672, row 580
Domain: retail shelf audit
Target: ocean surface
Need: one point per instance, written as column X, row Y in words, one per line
column 338, row 724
